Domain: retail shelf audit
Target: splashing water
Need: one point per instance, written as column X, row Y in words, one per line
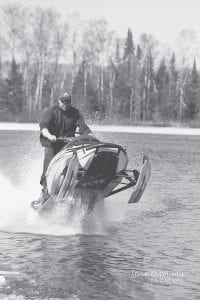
column 16, row 214
column 68, row 218
column 9, row 201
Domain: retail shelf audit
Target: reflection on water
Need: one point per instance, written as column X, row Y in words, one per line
column 149, row 250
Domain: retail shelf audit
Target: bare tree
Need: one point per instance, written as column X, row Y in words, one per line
column 16, row 20
column 3, row 47
column 186, row 44
column 26, row 57
column 58, row 47
column 112, row 76
column 44, row 24
column 181, row 83
column 74, row 45
column 97, row 41
column 12, row 17
column 186, row 48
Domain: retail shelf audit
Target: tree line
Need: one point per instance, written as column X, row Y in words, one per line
column 110, row 78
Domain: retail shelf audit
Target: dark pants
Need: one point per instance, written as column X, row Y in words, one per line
column 50, row 150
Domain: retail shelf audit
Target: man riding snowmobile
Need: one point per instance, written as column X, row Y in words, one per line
column 58, row 121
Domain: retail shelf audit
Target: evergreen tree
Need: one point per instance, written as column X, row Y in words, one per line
column 173, row 97
column 78, row 88
column 192, row 95
column 117, row 54
column 138, row 83
column 124, row 79
column 135, row 98
column 91, row 104
column 148, row 89
column 110, row 77
column 92, row 101
column 152, row 92
column 121, row 92
column 13, row 90
column 129, row 46
column 139, row 53
column 162, row 85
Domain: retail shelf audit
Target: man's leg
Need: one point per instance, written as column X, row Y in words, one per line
column 48, row 155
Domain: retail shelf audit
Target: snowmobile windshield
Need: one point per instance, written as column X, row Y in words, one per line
column 83, row 139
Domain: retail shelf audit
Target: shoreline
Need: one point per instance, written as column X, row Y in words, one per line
column 111, row 128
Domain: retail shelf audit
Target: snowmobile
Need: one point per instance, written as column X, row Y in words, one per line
column 91, row 170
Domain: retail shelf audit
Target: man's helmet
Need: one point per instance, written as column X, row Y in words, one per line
column 65, row 98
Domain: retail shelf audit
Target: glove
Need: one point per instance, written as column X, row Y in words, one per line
column 91, row 134
column 52, row 138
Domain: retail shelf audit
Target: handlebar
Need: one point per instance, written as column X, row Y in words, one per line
column 73, row 139
column 64, row 139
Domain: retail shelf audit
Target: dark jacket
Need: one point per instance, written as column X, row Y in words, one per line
column 60, row 122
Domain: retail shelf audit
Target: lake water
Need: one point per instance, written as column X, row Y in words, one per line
column 148, row 250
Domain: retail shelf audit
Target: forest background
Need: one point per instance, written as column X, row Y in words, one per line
column 112, row 80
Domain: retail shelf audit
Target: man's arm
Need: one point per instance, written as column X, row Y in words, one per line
column 45, row 132
column 83, row 127
column 44, row 123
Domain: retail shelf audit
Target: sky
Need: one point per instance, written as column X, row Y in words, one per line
column 162, row 18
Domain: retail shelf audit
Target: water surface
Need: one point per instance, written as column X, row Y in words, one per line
column 148, row 250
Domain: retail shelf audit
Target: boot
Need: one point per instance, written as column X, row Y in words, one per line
column 44, row 196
